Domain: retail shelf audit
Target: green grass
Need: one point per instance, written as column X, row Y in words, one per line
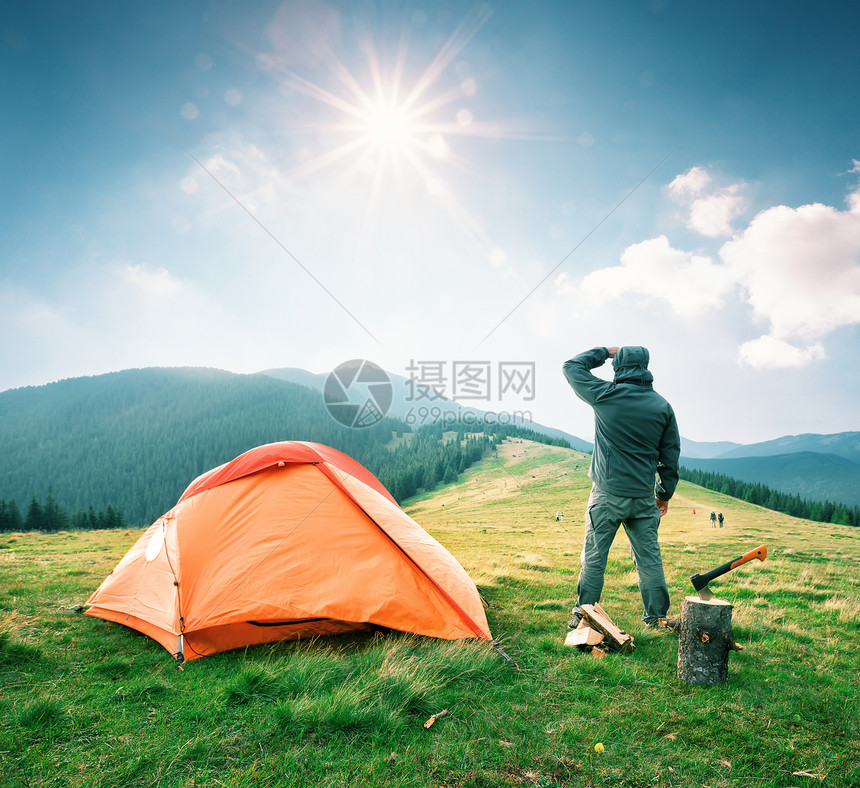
column 84, row 702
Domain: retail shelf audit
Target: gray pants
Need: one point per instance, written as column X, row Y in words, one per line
column 641, row 518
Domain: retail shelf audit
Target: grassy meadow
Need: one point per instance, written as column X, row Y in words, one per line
column 84, row 702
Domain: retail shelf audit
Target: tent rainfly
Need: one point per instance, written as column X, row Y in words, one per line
column 289, row 540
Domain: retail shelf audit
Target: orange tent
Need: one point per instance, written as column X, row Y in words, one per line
column 289, row 540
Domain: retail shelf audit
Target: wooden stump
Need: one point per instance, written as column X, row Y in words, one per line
column 705, row 638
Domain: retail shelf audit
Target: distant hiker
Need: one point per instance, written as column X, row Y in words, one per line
column 635, row 437
column 713, row 520
column 720, row 518
column 557, row 516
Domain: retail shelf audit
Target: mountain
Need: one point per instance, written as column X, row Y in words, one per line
column 810, row 475
column 418, row 405
column 137, row 438
column 706, row 450
column 815, row 467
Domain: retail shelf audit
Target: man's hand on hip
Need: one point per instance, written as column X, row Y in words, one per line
column 663, row 506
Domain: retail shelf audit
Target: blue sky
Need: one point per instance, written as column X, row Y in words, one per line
column 248, row 186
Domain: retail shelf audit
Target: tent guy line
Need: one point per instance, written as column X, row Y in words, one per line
column 581, row 242
column 284, row 248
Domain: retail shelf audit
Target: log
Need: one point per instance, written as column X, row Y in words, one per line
column 705, row 638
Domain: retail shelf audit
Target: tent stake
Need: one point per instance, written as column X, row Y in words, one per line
column 501, row 651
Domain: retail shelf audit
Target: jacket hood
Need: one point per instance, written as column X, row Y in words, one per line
column 631, row 366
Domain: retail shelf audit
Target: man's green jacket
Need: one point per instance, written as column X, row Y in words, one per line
column 635, row 432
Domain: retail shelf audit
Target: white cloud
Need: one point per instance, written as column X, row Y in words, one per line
column 694, row 181
column 770, row 353
column 712, row 215
column 152, row 281
column 691, row 284
column 799, row 269
column 711, row 211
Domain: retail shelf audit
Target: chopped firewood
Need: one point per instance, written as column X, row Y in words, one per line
column 435, row 717
column 599, row 653
column 584, row 637
column 617, row 639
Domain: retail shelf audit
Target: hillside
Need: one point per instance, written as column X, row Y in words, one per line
column 511, row 499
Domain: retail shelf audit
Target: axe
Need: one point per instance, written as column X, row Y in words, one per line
column 700, row 582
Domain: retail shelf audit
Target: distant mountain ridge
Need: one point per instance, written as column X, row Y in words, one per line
column 841, row 444
column 814, row 467
column 137, row 438
column 706, row 451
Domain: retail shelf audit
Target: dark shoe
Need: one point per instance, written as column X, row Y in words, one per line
column 574, row 621
column 662, row 624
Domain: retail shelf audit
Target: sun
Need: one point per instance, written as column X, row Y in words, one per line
column 395, row 136
column 388, row 126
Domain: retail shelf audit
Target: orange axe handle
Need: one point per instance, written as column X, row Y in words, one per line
column 759, row 552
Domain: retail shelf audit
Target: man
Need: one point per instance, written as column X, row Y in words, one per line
column 635, row 438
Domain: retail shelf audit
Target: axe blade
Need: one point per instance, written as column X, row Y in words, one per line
column 700, row 583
